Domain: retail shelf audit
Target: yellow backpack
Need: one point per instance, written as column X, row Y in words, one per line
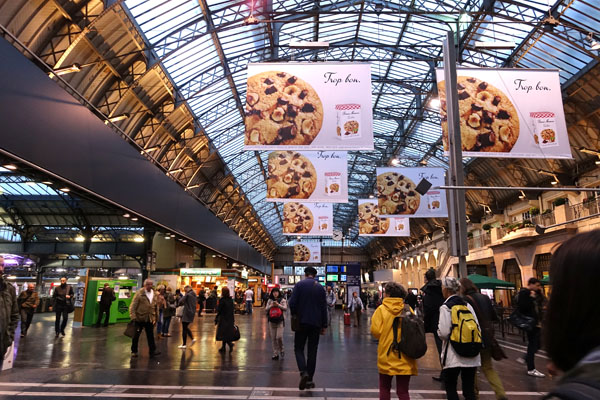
column 465, row 336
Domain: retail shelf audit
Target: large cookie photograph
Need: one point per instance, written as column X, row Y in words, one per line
column 291, row 176
column 281, row 109
column 369, row 221
column 396, row 194
column 297, row 218
column 301, row 253
column 488, row 119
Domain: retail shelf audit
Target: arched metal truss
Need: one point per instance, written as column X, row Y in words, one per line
column 176, row 69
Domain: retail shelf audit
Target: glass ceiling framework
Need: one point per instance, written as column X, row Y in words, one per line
column 205, row 47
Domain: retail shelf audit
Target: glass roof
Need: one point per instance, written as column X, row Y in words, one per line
column 205, row 47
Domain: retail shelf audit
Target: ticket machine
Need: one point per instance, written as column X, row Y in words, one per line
column 124, row 289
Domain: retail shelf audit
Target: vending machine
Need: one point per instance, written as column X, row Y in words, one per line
column 124, row 289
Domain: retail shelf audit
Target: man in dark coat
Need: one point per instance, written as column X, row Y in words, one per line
column 308, row 304
column 9, row 313
column 530, row 302
column 62, row 295
column 432, row 301
column 108, row 296
column 225, row 321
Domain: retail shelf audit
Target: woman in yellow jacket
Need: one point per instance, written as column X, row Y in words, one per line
column 388, row 362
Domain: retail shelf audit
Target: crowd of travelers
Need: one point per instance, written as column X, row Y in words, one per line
column 459, row 317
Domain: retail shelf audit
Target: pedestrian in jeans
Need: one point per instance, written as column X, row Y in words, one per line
column 485, row 313
column 330, row 298
column 162, row 304
column 62, row 295
column 276, row 301
column 188, row 301
column 355, row 308
column 389, row 363
column 309, row 307
column 454, row 364
column 432, row 301
column 28, row 301
column 249, row 295
column 144, row 311
column 530, row 302
column 169, row 311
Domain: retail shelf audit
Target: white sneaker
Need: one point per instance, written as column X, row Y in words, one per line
column 193, row 341
column 520, row 360
column 183, row 346
column 535, row 373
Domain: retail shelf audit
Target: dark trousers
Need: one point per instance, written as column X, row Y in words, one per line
column 58, row 326
column 385, row 386
column 200, row 308
column 533, row 345
column 185, row 332
column 149, row 328
column 166, row 324
column 104, row 309
column 311, row 334
column 159, row 321
column 26, row 317
column 468, row 382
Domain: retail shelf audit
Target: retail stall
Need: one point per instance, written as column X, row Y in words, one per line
column 124, row 289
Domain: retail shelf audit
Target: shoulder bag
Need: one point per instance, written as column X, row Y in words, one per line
column 488, row 331
column 69, row 302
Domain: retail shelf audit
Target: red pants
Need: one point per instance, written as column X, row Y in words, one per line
column 385, row 385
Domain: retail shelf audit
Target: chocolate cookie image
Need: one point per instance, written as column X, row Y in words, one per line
column 369, row 221
column 297, row 218
column 291, row 176
column 396, row 194
column 301, row 253
column 281, row 109
column 488, row 119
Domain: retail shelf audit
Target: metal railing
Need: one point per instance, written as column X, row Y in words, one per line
column 482, row 240
column 584, row 209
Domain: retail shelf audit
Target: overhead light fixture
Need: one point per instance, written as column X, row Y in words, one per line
column 47, row 183
column 487, row 209
column 126, row 215
column 138, row 239
column 149, row 149
column 593, row 43
column 65, row 189
column 251, row 20
column 522, row 195
column 80, row 238
column 123, row 277
column 11, row 167
column 192, row 187
column 371, row 196
column 549, row 23
column 434, row 102
column 598, row 161
column 495, row 45
column 117, row 118
column 395, row 161
column 175, row 171
column 134, row 218
column 31, row 183
column 308, row 45
column 66, row 70
column 554, row 180
column 167, row 237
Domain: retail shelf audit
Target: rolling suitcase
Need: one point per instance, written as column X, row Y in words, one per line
column 346, row 319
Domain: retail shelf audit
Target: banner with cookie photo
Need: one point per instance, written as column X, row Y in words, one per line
column 508, row 113
column 309, row 106
column 370, row 223
column 308, row 219
column 310, row 176
column 307, row 252
column 410, row 192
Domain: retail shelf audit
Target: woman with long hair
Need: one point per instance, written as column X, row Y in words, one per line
column 276, row 306
column 225, row 320
column 188, row 301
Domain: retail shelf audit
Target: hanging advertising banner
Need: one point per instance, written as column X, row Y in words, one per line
column 508, row 113
column 309, row 106
column 307, row 252
column 407, row 192
column 310, row 176
column 370, row 223
column 308, row 219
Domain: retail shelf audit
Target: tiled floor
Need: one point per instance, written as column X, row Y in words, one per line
column 96, row 362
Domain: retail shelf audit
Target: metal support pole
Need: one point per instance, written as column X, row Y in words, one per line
column 456, row 198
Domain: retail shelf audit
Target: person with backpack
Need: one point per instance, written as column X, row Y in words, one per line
column 485, row 313
column 276, row 306
column 572, row 321
column 461, row 341
column 432, row 301
column 355, row 306
column 395, row 337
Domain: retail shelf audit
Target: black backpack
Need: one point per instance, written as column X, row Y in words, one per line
column 412, row 341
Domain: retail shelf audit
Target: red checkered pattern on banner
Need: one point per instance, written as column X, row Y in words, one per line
column 544, row 114
column 347, row 107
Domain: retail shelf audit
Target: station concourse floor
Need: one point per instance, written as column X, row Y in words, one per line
column 96, row 362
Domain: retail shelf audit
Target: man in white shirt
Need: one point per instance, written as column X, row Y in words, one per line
column 330, row 299
column 249, row 295
column 144, row 311
column 355, row 308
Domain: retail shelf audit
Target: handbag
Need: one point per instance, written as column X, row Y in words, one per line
column 521, row 321
column 497, row 352
column 236, row 333
column 69, row 302
column 295, row 323
column 179, row 311
column 130, row 330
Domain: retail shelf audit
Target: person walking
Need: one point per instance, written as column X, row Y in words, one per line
column 572, row 323
column 453, row 363
column 484, row 310
column 201, row 300
column 276, row 306
column 108, row 296
column 162, row 305
column 309, row 307
column 355, row 308
column 28, row 301
column 391, row 364
column 169, row 311
column 330, row 299
column 225, row 321
column 249, row 296
column 530, row 302
column 9, row 313
column 432, row 301
column 63, row 303
column 188, row 301
column 144, row 311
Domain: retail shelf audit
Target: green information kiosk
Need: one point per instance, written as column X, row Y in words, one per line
column 125, row 289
